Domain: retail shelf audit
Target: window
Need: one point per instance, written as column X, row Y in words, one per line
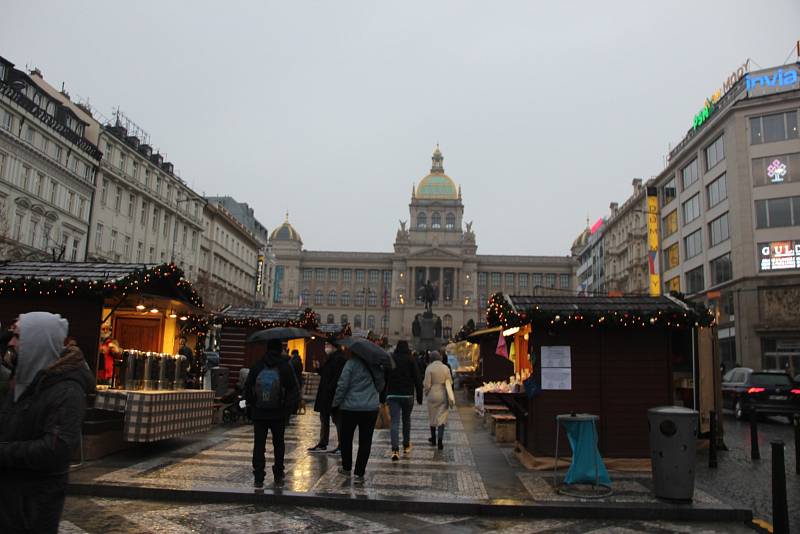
column 359, row 301
column 143, row 213
column 772, row 128
column 717, row 191
column 307, row 275
column 29, row 134
column 318, row 298
column 156, row 218
column 333, row 275
column 305, row 297
column 691, row 209
column 436, row 220
column 693, row 244
column 126, row 247
column 374, row 276
column 26, row 177
column 357, row 321
column 194, row 239
column 373, row 298
column 57, row 152
column 694, row 280
column 8, row 120
column 422, row 221
column 113, row 241
column 563, row 281
column 74, row 255
column 319, row 275
column 668, row 192
column 165, row 226
column 332, row 297
column 718, row 230
column 721, row 269
column 550, row 280
column 509, row 280
column 537, row 280
column 343, row 319
column 152, row 255
column 98, row 237
column 139, row 251
column 346, row 275
column 45, row 235
column 670, row 225
column 690, row 174
column 672, row 257
column 715, row 152
column 450, row 221
column 523, row 280
column 776, row 169
column 496, row 279
column 104, row 192
column 370, row 322
column 673, row 284
column 82, row 213
column 53, row 192
column 359, row 276
column 387, row 278
column 482, row 279
column 135, row 172
column 330, row 319
column 131, row 204
column 122, row 161
column 776, row 212
column 345, row 298
column 34, row 232
column 18, row 218
column 71, row 202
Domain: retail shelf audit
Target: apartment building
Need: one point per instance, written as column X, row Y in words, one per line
column 625, row 236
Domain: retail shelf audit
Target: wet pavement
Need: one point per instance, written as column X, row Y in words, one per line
column 748, row 483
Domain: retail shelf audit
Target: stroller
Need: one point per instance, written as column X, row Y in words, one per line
column 236, row 408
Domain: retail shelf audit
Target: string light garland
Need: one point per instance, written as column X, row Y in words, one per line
column 200, row 325
column 500, row 313
column 166, row 278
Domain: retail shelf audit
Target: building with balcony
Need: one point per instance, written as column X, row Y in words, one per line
column 625, row 237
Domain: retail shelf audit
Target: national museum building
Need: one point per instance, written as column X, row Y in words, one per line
column 382, row 291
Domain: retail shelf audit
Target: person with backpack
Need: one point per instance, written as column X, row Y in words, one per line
column 272, row 394
column 402, row 383
column 357, row 397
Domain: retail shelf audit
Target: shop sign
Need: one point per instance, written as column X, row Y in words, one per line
column 652, row 242
column 776, row 171
column 259, row 273
column 778, row 79
column 779, row 256
column 709, row 106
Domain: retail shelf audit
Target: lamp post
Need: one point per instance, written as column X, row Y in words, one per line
column 175, row 232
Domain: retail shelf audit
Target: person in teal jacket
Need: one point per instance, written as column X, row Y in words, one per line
column 358, row 397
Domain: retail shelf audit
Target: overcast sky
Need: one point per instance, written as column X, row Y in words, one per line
column 331, row 110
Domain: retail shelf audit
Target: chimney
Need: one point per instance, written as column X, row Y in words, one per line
column 132, row 140
column 637, row 185
column 614, row 207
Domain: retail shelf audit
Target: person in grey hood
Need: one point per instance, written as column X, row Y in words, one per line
column 40, row 423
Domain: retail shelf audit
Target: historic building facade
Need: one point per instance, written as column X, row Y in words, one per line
column 382, row 291
column 625, row 236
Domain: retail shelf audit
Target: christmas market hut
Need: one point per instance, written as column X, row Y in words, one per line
column 614, row 357
column 128, row 319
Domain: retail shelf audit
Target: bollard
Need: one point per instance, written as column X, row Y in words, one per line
column 754, row 452
column 796, row 421
column 780, row 509
column 712, row 436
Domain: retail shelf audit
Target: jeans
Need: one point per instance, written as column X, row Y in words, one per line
column 396, row 406
column 325, row 428
column 365, row 421
column 260, row 429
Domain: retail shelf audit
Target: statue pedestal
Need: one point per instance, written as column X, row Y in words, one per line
column 427, row 339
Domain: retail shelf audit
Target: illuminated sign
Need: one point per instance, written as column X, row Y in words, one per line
column 778, row 79
column 779, row 256
column 776, row 171
column 596, row 226
column 259, row 273
column 709, row 106
column 652, row 241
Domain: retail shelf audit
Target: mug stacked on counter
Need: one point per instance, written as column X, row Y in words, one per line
column 141, row 370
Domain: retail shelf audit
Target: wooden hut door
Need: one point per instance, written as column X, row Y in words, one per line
column 138, row 333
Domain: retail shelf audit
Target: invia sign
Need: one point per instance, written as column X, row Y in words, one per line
column 779, row 78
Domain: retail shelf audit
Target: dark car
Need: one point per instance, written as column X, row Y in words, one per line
column 768, row 393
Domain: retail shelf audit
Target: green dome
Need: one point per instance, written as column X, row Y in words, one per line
column 437, row 186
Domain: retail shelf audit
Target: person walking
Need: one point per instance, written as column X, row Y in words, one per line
column 329, row 375
column 272, row 393
column 357, row 398
column 40, row 423
column 402, row 384
column 438, row 387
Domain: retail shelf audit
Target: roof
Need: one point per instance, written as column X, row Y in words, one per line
column 83, row 272
column 265, row 314
column 570, row 304
column 285, row 232
column 437, row 186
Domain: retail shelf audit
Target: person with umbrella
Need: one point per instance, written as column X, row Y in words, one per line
column 329, row 375
column 358, row 396
column 272, row 393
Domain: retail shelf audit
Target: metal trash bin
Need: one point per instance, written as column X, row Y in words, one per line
column 673, row 444
column 219, row 380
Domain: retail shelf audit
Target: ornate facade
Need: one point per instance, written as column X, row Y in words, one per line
column 382, row 291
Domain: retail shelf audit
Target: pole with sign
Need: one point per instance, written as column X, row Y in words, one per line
column 652, row 241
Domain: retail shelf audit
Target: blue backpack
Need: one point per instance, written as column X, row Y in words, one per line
column 268, row 389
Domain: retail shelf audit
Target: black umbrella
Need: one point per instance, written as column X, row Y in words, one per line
column 368, row 351
column 280, row 332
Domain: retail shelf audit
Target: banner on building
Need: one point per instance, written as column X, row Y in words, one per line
column 259, row 274
column 652, row 242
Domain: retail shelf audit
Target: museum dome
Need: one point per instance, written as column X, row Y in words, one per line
column 437, row 185
column 285, row 232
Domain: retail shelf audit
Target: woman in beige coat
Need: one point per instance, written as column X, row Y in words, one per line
column 438, row 385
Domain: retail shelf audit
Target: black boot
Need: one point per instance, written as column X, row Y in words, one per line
column 441, row 437
column 432, row 439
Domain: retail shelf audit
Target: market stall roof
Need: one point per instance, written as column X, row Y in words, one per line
column 86, row 279
column 265, row 314
column 570, row 304
column 259, row 318
column 482, row 332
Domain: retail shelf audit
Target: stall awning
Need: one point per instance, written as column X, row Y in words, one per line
column 265, row 314
column 480, row 333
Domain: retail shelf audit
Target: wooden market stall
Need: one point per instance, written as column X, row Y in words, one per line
column 612, row 357
column 127, row 319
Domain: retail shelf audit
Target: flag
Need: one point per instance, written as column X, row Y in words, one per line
column 501, row 346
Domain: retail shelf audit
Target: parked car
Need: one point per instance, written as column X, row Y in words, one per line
column 766, row 392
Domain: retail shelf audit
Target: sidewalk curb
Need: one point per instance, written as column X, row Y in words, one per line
column 495, row 508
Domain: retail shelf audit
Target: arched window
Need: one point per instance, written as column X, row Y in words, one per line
column 422, row 221
column 343, row 319
column 345, row 299
column 330, row 319
column 436, row 220
column 357, row 321
column 450, row 221
column 447, row 326
column 305, row 297
column 370, row 322
column 332, row 297
column 385, row 323
column 373, row 298
column 319, row 298
column 360, row 297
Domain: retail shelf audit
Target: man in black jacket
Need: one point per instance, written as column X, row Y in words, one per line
column 40, row 423
column 269, row 416
column 329, row 373
column 402, row 384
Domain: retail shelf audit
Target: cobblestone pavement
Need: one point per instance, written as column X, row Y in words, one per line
column 115, row 516
column 746, row 482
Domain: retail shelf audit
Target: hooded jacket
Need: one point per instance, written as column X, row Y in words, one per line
column 40, row 424
column 359, row 387
column 291, row 395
